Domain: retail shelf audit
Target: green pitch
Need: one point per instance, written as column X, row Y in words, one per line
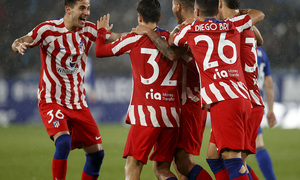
column 26, row 154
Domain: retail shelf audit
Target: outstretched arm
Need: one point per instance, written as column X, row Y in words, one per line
column 270, row 100
column 172, row 53
column 22, row 44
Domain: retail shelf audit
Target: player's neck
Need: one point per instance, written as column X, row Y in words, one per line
column 187, row 15
column 229, row 13
column 150, row 24
column 69, row 25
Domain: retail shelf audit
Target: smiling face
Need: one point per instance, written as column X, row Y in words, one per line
column 78, row 14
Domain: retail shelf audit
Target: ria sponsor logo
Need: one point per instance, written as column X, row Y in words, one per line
column 160, row 96
column 221, row 74
column 153, row 95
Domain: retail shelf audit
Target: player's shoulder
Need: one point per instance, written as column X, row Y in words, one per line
column 162, row 32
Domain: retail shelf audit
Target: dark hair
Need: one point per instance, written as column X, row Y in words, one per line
column 149, row 9
column 187, row 4
column 232, row 4
column 71, row 3
column 208, row 7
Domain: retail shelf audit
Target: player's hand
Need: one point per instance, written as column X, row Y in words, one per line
column 141, row 30
column 104, row 23
column 271, row 119
column 22, row 47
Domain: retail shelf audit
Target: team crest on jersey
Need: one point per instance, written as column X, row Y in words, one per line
column 56, row 123
column 81, row 46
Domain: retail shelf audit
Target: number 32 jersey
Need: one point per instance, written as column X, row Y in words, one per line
column 155, row 98
column 216, row 48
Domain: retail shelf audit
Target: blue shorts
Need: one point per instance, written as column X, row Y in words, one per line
column 259, row 130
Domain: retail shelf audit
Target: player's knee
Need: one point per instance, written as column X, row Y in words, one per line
column 161, row 168
column 63, row 146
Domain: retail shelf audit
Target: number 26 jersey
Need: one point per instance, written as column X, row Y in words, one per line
column 216, row 48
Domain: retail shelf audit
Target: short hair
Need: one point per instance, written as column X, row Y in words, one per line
column 208, row 7
column 232, row 4
column 149, row 10
column 71, row 3
column 187, row 4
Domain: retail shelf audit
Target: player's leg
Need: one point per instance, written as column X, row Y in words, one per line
column 227, row 118
column 62, row 149
column 178, row 174
column 94, row 158
column 215, row 162
column 186, row 165
column 163, row 152
column 251, row 129
column 140, row 141
column 235, row 165
column 162, row 171
column 133, row 168
column 86, row 135
column 55, row 120
column 263, row 158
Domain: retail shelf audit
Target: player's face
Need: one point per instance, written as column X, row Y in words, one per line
column 80, row 13
column 176, row 11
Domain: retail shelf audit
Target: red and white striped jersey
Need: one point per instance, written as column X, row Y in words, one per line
column 155, row 98
column 249, row 65
column 63, row 60
column 216, row 48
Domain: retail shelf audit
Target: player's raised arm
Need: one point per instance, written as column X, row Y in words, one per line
column 256, row 15
column 171, row 52
column 21, row 44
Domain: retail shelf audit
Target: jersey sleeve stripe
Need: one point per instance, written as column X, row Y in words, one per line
column 181, row 34
column 125, row 42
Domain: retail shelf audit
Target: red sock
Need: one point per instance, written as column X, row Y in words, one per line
column 253, row 175
column 203, row 175
column 244, row 177
column 59, row 169
column 85, row 176
column 222, row 175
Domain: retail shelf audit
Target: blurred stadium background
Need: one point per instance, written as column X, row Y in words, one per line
column 19, row 75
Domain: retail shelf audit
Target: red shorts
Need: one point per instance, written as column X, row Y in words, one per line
column 228, row 120
column 80, row 123
column 141, row 140
column 192, row 125
column 252, row 127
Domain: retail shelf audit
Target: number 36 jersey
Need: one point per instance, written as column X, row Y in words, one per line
column 155, row 98
column 216, row 48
